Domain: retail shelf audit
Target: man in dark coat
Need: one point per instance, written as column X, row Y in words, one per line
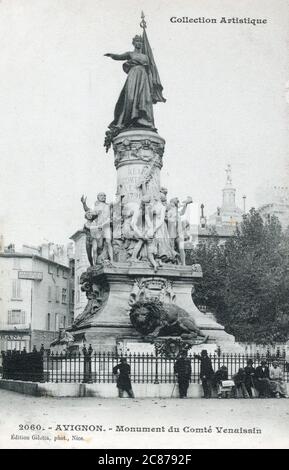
column 262, row 381
column 249, row 377
column 220, row 376
column 183, row 369
column 206, row 372
column 122, row 370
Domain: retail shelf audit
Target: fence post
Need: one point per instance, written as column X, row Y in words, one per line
column 219, row 356
column 41, row 365
column 156, row 381
column 56, row 366
column 87, row 364
column 47, row 377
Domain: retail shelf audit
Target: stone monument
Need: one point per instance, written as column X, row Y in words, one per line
column 138, row 287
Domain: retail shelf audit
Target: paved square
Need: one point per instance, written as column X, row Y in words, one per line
column 31, row 422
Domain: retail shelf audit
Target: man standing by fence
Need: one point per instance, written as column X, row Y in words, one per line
column 206, row 372
column 122, row 370
column 262, row 381
column 249, row 377
column 183, row 370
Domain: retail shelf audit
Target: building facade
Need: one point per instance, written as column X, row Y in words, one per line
column 81, row 265
column 275, row 202
column 36, row 299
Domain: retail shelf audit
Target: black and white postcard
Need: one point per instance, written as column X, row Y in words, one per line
column 144, row 224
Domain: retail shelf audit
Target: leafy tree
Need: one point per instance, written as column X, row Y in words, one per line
column 211, row 257
column 246, row 282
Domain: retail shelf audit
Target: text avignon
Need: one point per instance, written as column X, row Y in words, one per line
column 159, row 429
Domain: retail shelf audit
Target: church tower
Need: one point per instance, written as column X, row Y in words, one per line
column 228, row 213
column 229, row 192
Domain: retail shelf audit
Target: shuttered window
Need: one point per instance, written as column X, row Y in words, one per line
column 16, row 317
column 64, row 296
column 49, row 293
column 57, row 293
column 56, row 321
column 16, row 289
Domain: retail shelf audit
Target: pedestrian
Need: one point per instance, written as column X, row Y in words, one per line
column 223, row 385
column 206, row 372
column 240, row 386
column 277, row 384
column 262, row 381
column 122, row 370
column 183, row 370
column 249, row 377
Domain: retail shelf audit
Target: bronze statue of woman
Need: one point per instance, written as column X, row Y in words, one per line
column 142, row 88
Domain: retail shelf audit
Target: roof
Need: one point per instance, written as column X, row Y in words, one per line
column 76, row 234
column 40, row 258
column 215, row 231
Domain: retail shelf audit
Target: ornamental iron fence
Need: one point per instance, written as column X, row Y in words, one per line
column 97, row 367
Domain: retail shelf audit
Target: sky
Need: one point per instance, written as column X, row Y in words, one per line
column 226, row 87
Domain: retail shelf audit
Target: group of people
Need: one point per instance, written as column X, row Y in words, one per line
column 266, row 381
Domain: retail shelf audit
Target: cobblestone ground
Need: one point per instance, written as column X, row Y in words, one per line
column 30, row 422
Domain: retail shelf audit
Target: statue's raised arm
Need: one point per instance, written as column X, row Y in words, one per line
column 124, row 56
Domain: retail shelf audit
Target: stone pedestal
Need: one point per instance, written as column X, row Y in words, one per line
column 115, row 286
column 135, row 346
column 119, row 285
column 138, row 160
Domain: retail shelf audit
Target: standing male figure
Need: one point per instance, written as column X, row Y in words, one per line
column 206, row 372
column 98, row 228
column 249, row 377
column 183, row 370
column 262, row 381
column 175, row 226
column 122, row 370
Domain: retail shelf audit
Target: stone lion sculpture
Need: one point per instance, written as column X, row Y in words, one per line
column 153, row 318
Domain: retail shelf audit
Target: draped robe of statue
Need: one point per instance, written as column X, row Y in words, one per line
column 134, row 105
column 141, row 89
column 164, row 251
column 151, row 233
